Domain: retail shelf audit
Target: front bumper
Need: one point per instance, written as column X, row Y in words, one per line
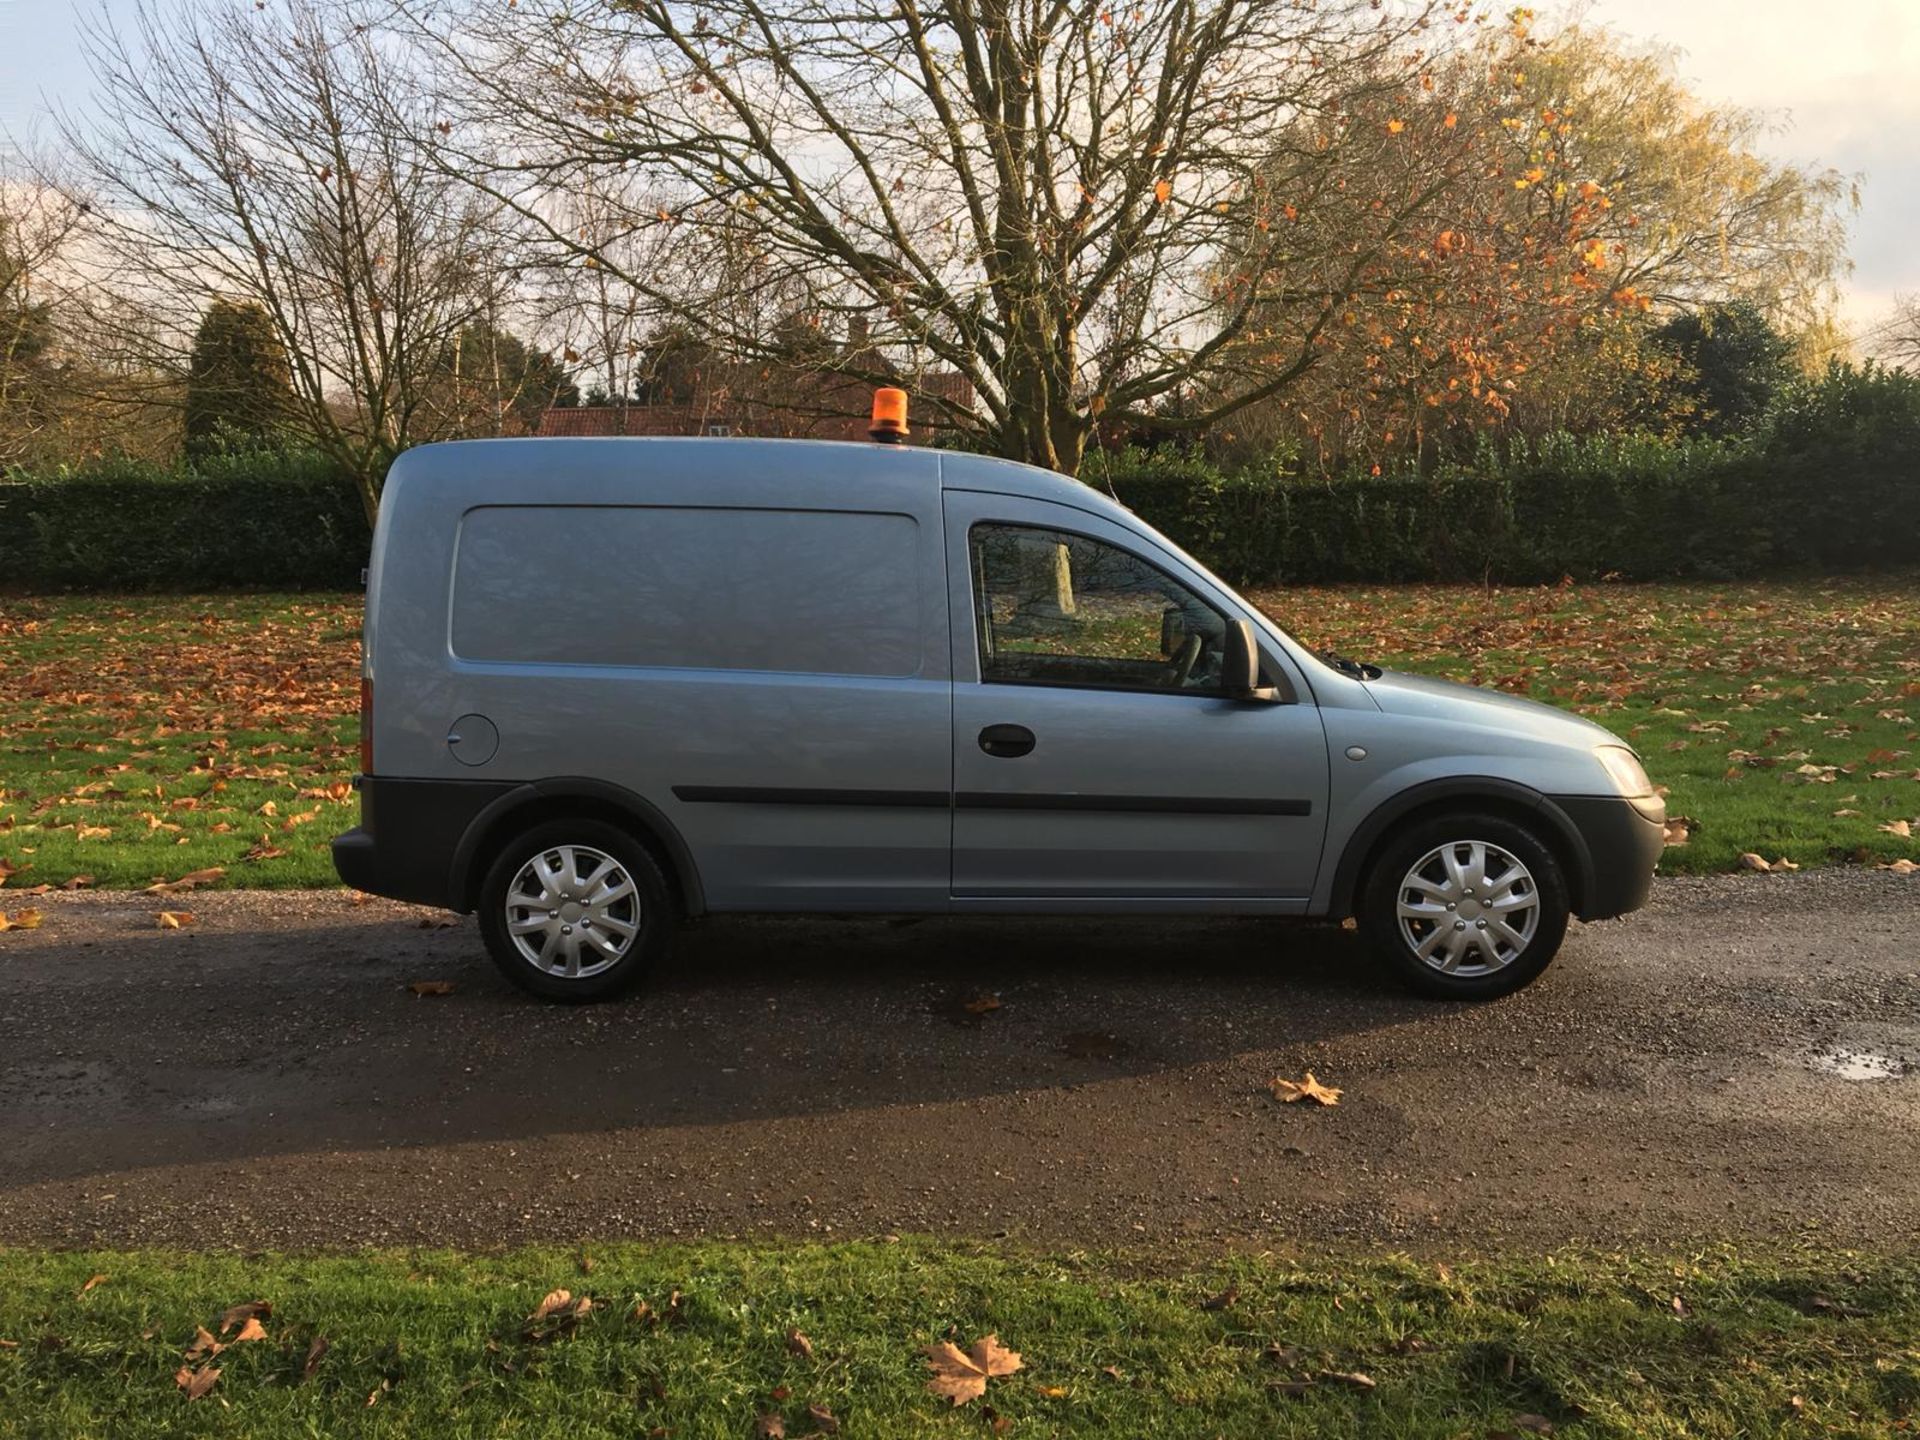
column 409, row 834
column 1623, row 839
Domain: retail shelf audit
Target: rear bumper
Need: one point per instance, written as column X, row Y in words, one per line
column 409, row 836
column 1624, row 839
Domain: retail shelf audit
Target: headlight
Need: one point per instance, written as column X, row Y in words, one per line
column 1624, row 769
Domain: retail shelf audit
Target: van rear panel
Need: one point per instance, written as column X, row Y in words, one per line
column 752, row 639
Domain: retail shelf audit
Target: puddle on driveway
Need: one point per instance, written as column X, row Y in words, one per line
column 1858, row 1065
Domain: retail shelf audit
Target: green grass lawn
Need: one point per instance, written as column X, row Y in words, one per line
column 144, row 738
column 694, row 1341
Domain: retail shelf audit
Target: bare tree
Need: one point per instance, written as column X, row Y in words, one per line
column 1044, row 197
column 37, row 228
column 1896, row 340
column 279, row 156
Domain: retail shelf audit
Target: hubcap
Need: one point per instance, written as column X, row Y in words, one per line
column 1468, row 908
column 573, row 911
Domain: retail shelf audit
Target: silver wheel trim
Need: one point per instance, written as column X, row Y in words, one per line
column 572, row 911
column 1468, row 908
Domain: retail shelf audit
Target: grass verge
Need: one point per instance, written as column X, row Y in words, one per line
column 144, row 738
column 694, row 1341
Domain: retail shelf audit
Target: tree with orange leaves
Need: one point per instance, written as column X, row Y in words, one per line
column 1546, row 199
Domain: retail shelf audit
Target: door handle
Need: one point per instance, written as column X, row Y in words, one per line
column 1007, row 741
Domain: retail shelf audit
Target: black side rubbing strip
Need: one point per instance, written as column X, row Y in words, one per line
column 1135, row 804
column 787, row 795
column 986, row 800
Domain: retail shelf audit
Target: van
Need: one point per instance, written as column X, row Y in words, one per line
column 612, row 685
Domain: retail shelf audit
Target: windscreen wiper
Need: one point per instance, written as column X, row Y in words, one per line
column 1360, row 670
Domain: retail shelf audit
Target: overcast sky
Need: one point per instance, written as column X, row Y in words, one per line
column 1842, row 77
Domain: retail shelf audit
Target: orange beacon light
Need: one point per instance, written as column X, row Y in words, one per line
column 889, row 415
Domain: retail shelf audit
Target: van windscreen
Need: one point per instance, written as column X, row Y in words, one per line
column 809, row 591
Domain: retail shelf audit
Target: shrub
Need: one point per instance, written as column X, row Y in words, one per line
column 287, row 521
column 1833, row 484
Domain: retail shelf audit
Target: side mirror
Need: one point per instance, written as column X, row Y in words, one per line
column 1240, row 665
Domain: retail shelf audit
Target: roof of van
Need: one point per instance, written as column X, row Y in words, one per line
column 948, row 469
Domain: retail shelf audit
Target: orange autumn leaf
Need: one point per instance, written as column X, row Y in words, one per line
column 196, row 1382
column 1290, row 1091
column 1163, row 191
column 962, row 1375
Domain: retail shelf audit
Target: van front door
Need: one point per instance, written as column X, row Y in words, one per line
column 1096, row 757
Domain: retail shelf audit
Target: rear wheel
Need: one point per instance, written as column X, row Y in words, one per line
column 574, row 910
column 1465, row 907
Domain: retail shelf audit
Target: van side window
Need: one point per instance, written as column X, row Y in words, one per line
column 1055, row 608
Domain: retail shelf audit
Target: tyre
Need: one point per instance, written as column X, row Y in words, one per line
column 574, row 910
column 1467, row 906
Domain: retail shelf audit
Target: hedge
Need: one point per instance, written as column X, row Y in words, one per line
column 261, row 521
column 1832, row 485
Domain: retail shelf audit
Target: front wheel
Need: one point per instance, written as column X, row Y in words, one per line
column 574, row 910
column 1465, row 907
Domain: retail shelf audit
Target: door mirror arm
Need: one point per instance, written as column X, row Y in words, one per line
column 1240, row 666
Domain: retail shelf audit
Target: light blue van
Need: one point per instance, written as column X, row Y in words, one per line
column 612, row 685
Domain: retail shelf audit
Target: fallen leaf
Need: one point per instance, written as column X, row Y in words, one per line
column 1353, row 1379
column 431, row 987
column 1680, row 829
column 961, row 1375
column 799, row 1344
column 981, row 1004
column 188, row 881
column 770, row 1427
column 76, row 882
column 252, row 1330
column 824, row 1419
column 1307, row 1089
column 175, row 919
column 1902, row 828
column 1223, row 1301
column 1533, row 1424
column 196, row 1382
column 203, row 1344
column 315, row 1353
column 92, row 1281
column 556, row 1300
column 246, row 1310
column 1902, row 866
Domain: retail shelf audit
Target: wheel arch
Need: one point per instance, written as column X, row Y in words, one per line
column 1462, row 792
column 538, row 800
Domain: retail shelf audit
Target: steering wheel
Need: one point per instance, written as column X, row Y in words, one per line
column 1183, row 663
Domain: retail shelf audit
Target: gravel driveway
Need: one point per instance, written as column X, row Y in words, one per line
column 266, row 1078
